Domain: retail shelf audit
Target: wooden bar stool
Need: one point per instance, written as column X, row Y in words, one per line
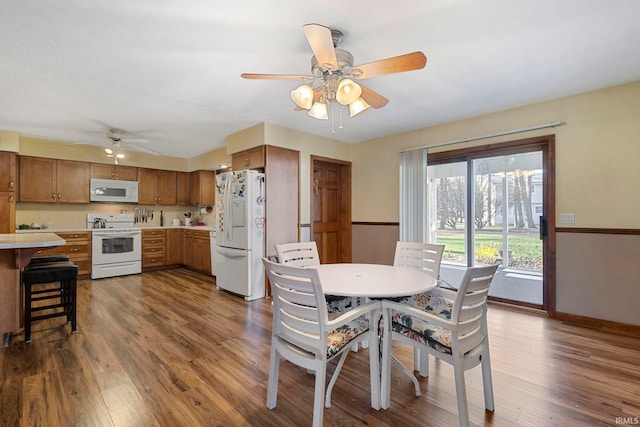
column 46, row 281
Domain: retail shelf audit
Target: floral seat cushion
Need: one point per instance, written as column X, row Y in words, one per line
column 342, row 336
column 417, row 329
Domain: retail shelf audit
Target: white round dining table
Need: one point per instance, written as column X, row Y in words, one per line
column 373, row 280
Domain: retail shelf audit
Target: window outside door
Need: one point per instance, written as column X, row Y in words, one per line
column 490, row 209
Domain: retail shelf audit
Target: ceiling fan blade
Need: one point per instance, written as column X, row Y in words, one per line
column 321, row 42
column 374, row 99
column 396, row 64
column 274, row 77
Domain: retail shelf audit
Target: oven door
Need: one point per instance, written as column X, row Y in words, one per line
column 112, row 246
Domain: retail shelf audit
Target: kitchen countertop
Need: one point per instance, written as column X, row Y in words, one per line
column 81, row 229
column 23, row 241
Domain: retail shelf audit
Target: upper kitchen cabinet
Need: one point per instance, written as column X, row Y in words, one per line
column 106, row 171
column 254, row 158
column 202, row 188
column 182, row 188
column 7, row 192
column 54, row 181
column 7, row 171
column 156, row 187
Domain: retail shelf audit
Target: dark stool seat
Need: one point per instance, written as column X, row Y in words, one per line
column 58, row 280
column 39, row 259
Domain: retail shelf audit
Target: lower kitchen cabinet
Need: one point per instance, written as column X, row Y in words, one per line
column 174, row 246
column 197, row 251
column 77, row 248
column 154, row 244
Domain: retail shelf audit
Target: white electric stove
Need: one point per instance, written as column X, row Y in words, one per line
column 116, row 245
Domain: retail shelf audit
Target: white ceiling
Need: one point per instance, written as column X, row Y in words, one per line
column 169, row 71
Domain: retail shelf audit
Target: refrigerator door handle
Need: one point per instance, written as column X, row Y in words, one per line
column 231, row 253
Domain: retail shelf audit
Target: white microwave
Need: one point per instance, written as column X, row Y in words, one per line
column 113, row 190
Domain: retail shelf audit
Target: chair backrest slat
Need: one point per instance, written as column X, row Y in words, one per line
column 420, row 256
column 298, row 254
column 470, row 305
column 299, row 307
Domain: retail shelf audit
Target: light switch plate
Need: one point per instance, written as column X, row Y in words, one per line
column 567, row 218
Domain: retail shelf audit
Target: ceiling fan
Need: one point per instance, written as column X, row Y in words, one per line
column 332, row 74
column 118, row 140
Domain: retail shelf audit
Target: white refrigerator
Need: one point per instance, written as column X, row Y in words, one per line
column 240, row 223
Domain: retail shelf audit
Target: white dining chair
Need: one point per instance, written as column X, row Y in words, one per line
column 425, row 257
column 305, row 254
column 303, row 334
column 458, row 336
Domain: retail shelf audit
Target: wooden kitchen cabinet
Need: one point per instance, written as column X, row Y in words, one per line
column 197, row 251
column 7, row 192
column 174, row 246
column 182, row 188
column 202, row 186
column 106, row 171
column 78, row 249
column 254, row 158
column 7, row 212
column 154, row 248
column 156, row 187
column 8, row 171
column 53, row 180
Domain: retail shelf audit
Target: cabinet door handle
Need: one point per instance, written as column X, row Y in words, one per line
column 11, row 184
column 59, row 196
column 53, row 196
column 10, row 199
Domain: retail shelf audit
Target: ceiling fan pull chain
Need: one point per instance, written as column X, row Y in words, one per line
column 331, row 113
column 340, row 127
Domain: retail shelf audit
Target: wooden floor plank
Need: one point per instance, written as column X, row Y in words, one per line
column 169, row 349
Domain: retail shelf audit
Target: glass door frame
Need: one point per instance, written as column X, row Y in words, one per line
column 544, row 144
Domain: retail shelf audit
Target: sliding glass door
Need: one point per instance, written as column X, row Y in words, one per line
column 490, row 208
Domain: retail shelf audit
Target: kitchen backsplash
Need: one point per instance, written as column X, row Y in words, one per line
column 71, row 216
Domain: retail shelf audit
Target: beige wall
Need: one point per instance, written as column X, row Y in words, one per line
column 90, row 153
column 597, row 153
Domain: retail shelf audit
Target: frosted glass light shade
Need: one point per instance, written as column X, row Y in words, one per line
column 319, row 111
column 303, row 96
column 120, row 156
column 348, row 92
column 358, row 106
column 109, row 151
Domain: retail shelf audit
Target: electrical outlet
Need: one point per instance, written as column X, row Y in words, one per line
column 41, row 217
column 567, row 218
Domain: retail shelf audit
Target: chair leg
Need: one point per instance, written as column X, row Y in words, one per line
column 73, row 292
column 27, row 313
column 318, row 396
column 274, row 368
column 374, row 361
column 487, row 382
column 424, row 364
column 461, row 393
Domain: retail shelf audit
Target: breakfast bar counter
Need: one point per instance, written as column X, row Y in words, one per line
column 15, row 252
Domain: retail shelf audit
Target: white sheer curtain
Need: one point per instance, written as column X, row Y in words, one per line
column 413, row 196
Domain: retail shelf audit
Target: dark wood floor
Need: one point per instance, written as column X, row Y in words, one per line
column 168, row 349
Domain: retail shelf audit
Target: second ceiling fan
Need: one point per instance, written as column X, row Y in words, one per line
column 333, row 74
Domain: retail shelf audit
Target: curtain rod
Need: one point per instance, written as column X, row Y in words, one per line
column 475, row 138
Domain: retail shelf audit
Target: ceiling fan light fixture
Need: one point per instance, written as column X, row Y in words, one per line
column 109, row 151
column 319, row 111
column 303, row 96
column 120, row 155
column 357, row 106
column 348, row 92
